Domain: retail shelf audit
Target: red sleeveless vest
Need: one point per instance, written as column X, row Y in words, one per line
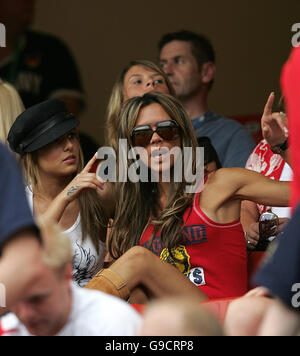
column 213, row 256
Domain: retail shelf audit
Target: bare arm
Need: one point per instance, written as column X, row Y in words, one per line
column 79, row 184
column 228, row 187
column 237, row 184
column 260, row 189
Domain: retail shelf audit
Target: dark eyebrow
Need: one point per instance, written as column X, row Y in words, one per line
column 173, row 58
column 178, row 57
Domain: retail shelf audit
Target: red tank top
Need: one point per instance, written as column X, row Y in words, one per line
column 213, row 256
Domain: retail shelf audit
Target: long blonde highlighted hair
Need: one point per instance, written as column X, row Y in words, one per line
column 139, row 202
column 93, row 219
column 11, row 106
column 117, row 99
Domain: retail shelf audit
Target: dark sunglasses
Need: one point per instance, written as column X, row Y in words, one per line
column 142, row 135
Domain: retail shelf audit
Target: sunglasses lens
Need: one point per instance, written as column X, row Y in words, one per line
column 170, row 133
column 141, row 138
column 168, row 130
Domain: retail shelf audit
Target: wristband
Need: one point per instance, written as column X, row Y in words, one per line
column 279, row 149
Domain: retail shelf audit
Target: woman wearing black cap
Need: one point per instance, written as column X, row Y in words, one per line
column 46, row 138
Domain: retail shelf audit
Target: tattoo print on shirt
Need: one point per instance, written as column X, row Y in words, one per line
column 85, row 265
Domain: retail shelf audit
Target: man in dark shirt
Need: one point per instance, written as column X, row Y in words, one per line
column 40, row 66
column 189, row 59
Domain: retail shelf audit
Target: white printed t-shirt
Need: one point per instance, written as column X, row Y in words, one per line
column 86, row 262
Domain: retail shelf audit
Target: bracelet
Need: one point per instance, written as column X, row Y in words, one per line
column 279, row 149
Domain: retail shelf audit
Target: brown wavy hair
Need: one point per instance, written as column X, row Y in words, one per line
column 138, row 203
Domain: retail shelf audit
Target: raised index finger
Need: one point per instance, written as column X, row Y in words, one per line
column 89, row 166
column 269, row 106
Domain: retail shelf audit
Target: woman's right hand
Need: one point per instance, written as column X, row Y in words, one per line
column 83, row 181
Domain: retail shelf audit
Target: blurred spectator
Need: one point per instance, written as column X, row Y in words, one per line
column 11, row 107
column 55, row 307
column 179, row 317
column 189, row 61
column 19, row 236
column 40, row 66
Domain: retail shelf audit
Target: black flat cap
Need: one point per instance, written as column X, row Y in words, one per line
column 40, row 125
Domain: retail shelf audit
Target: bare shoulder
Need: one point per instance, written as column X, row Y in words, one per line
column 228, row 180
column 219, row 189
